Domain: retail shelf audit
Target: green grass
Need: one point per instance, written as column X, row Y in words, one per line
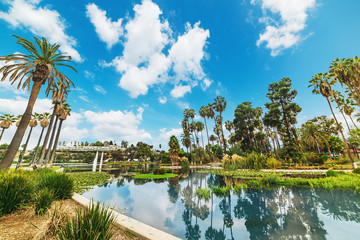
column 84, row 180
column 153, row 176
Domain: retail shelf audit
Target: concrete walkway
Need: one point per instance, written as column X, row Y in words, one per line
column 133, row 226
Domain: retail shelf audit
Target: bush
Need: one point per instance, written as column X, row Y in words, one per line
column 331, row 173
column 43, row 200
column 357, row 170
column 273, row 163
column 254, row 161
column 159, row 171
column 233, row 162
column 15, row 190
column 184, row 162
column 61, row 184
column 92, row 223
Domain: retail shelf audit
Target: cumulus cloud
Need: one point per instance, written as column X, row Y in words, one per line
column 162, row 100
column 42, row 22
column 180, row 91
column 17, row 105
column 144, row 61
column 183, row 105
column 117, row 125
column 100, row 89
column 205, row 84
column 107, row 30
column 285, row 32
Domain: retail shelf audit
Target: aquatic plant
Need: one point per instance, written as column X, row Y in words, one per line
column 203, row 193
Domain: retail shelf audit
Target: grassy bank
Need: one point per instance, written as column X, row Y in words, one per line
column 155, row 176
column 84, row 180
column 259, row 179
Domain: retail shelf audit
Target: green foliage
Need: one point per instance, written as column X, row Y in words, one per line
column 42, row 200
column 221, row 191
column 118, row 155
column 203, row 193
column 273, row 163
column 336, row 144
column 4, row 146
column 357, row 170
column 217, row 151
column 184, row 162
column 354, row 138
column 153, row 176
column 83, row 180
column 60, row 183
column 254, row 161
column 291, row 153
column 331, row 173
column 174, row 145
column 15, row 190
column 159, row 171
column 95, row 222
column 98, row 144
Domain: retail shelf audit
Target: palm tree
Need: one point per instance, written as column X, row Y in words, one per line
column 219, row 106
column 320, row 83
column 6, row 121
column 44, row 123
column 58, row 96
column 33, row 123
column 18, row 120
column 204, row 112
column 212, row 139
column 36, row 67
column 64, row 113
column 313, row 136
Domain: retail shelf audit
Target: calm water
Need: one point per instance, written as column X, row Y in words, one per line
column 279, row 213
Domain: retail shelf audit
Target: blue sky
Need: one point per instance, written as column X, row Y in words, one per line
column 140, row 63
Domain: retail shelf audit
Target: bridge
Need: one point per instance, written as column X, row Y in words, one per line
column 90, row 148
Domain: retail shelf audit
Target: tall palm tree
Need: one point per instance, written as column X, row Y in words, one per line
column 6, row 121
column 44, row 123
column 321, row 85
column 33, row 123
column 204, row 112
column 35, row 67
column 212, row 139
column 313, row 136
column 58, row 96
column 64, row 113
column 219, row 106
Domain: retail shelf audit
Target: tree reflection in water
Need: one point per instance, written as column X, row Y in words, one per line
column 277, row 213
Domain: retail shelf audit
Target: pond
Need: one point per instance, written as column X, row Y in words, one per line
column 276, row 213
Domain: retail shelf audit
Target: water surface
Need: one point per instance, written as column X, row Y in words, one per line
column 277, row 213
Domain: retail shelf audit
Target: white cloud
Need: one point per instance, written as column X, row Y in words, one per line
column 285, row 32
column 183, row 105
column 18, row 105
column 89, row 75
column 144, row 62
column 180, row 91
column 107, row 30
column 100, row 89
column 206, row 83
column 117, row 125
column 162, row 100
column 188, row 51
column 165, row 135
column 42, row 22
column 84, row 98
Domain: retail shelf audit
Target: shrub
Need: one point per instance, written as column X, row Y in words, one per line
column 331, row 173
column 61, row 184
column 233, row 162
column 43, row 200
column 92, row 223
column 203, row 193
column 270, row 179
column 159, row 171
column 273, row 163
column 15, row 190
column 184, row 162
column 357, row 170
column 254, row 161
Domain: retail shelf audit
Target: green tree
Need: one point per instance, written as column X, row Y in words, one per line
column 219, row 106
column 6, row 121
column 313, row 136
column 336, row 144
column 36, row 67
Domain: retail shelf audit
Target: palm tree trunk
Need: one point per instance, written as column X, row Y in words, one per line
column 342, row 135
column 21, row 156
column 349, row 116
column 19, row 134
column 207, row 134
column 37, row 146
column 47, row 158
column 53, row 153
column 347, row 124
column 46, row 139
column 2, row 132
column 223, row 138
